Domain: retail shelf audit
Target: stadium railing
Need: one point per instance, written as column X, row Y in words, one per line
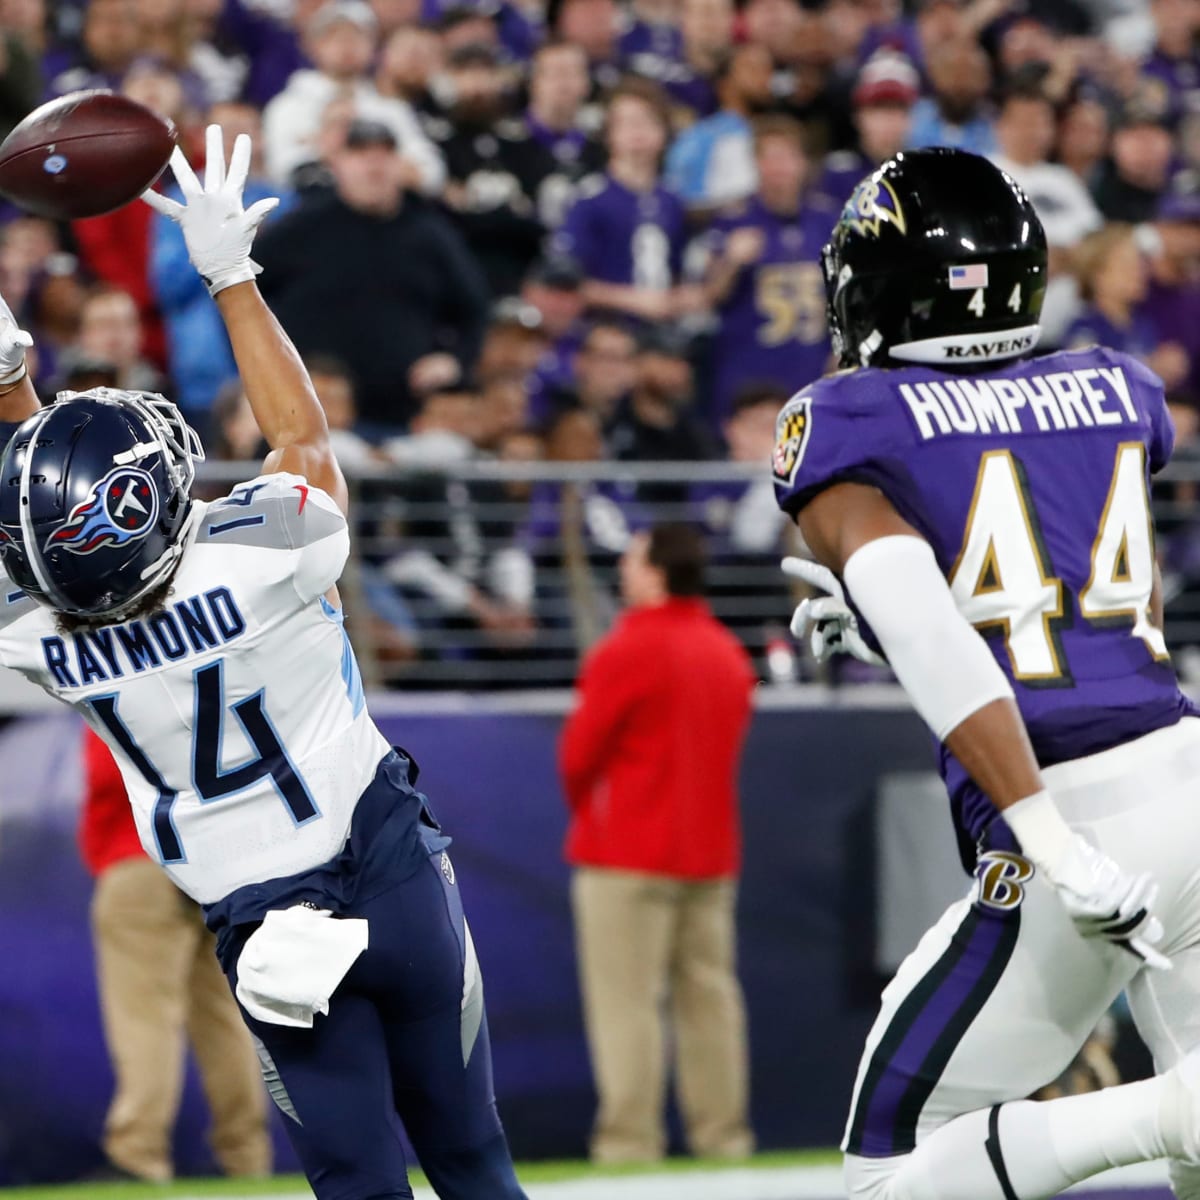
column 484, row 575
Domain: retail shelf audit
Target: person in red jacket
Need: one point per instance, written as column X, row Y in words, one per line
column 161, row 986
column 649, row 762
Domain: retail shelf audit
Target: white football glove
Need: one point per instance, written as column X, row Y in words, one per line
column 834, row 625
column 1101, row 899
column 217, row 229
column 14, row 341
column 1104, row 902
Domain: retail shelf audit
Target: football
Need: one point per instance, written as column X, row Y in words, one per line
column 84, row 154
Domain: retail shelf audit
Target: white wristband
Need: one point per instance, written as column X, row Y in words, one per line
column 15, row 375
column 1038, row 826
column 242, row 273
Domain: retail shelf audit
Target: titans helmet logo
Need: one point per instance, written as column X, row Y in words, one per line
column 123, row 507
column 873, row 205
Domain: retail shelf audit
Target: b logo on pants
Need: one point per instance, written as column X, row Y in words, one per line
column 1001, row 877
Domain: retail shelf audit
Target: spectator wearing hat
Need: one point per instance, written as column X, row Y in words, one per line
column 377, row 279
column 649, row 761
column 554, row 286
column 626, row 229
column 340, row 39
column 1139, row 162
column 956, row 114
column 515, row 342
column 553, row 122
column 765, row 280
column 461, row 25
column 511, row 30
column 657, row 422
column 1025, row 139
column 711, row 163
column 884, row 93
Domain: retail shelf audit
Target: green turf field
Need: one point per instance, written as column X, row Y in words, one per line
column 544, row 1172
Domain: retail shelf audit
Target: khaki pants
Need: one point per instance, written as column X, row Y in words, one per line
column 161, row 986
column 649, row 945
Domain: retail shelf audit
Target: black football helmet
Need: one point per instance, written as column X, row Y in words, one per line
column 95, row 496
column 937, row 258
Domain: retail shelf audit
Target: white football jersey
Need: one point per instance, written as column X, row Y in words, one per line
column 236, row 713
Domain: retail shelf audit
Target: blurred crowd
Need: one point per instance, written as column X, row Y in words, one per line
column 588, row 231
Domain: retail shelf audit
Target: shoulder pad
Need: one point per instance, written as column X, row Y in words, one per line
column 276, row 512
column 842, row 426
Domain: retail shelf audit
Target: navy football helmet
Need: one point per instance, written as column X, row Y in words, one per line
column 937, row 258
column 95, row 499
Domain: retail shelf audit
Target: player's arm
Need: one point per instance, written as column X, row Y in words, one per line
column 957, row 686
column 974, row 713
column 280, row 392
column 218, row 232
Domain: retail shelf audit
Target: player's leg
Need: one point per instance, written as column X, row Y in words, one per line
column 1165, row 1009
column 972, row 1136
column 624, row 924
column 144, row 947
column 995, row 1001
column 422, row 974
column 332, row 1084
column 709, row 1021
column 228, row 1065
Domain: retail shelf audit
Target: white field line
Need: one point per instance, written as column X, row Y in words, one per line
column 744, row 1183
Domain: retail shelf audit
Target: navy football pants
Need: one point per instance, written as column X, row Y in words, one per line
column 390, row 1051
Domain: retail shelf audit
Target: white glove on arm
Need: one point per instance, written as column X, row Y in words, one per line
column 834, row 625
column 14, row 341
column 217, row 229
column 1099, row 897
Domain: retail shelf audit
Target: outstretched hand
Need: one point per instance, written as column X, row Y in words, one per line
column 14, row 341
column 218, row 230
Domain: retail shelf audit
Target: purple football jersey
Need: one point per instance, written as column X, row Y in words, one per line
column 773, row 326
column 1030, row 481
column 621, row 236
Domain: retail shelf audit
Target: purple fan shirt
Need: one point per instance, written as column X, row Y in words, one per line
column 621, row 236
column 1028, row 480
column 1092, row 328
column 772, row 323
